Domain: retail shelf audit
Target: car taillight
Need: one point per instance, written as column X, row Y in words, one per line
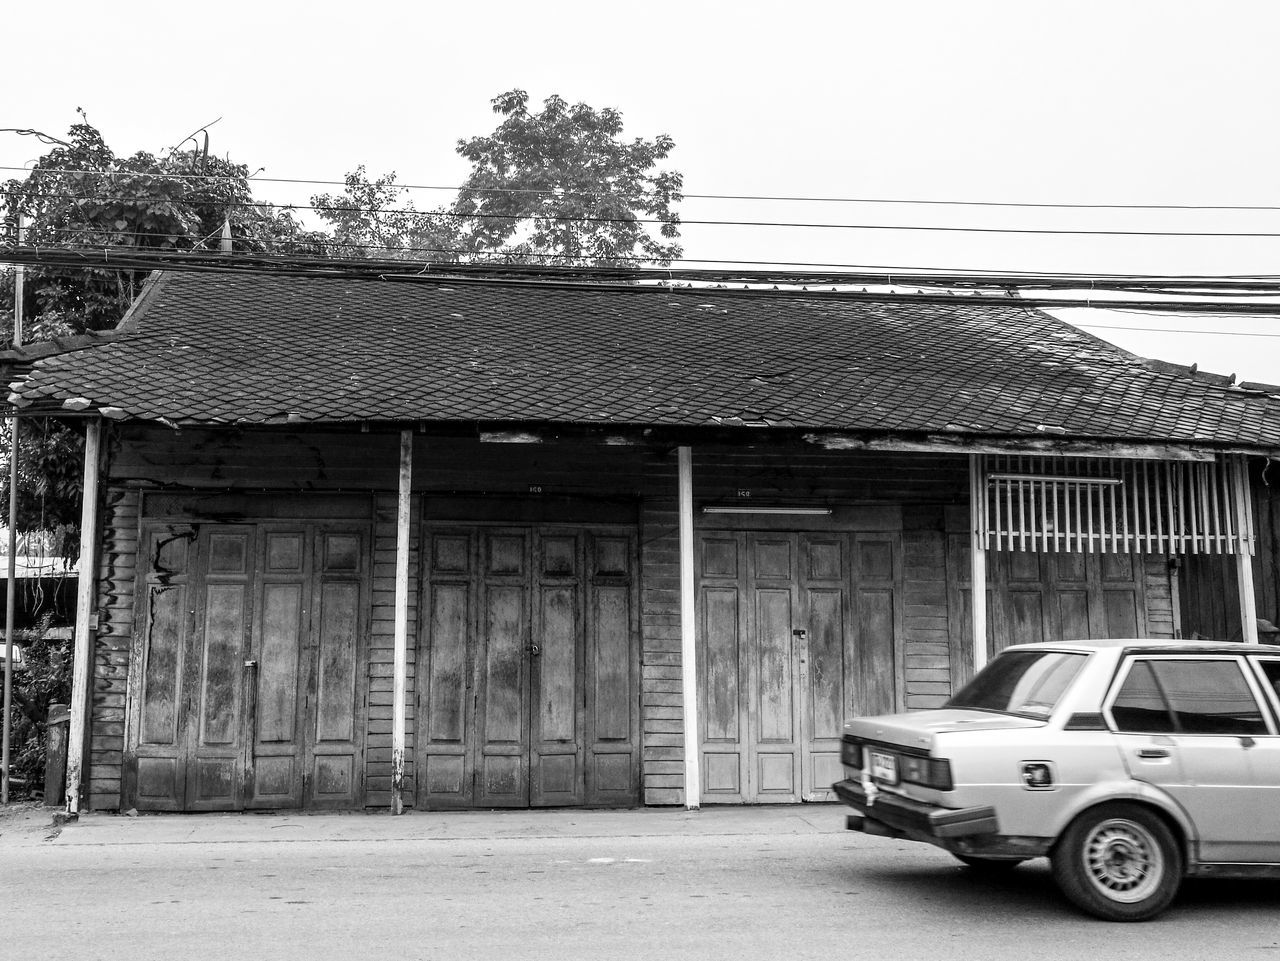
column 932, row 772
column 851, row 752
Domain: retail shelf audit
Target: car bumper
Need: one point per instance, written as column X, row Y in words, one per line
column 915, row 819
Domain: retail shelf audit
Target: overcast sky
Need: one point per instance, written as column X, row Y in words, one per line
column 1118, row 102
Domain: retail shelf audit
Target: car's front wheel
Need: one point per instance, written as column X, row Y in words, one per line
column 1119, row 862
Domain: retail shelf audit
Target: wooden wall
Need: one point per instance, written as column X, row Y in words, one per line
column 113, row 678
column 925, row 497
column 1209, row 605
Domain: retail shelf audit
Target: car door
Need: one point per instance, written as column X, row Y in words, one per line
column 1191, row 724
column 1265, row 760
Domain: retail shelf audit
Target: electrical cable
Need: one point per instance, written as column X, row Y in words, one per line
column 681, row 222
column 1226, row 286
column 518, row 275
column 689, row 196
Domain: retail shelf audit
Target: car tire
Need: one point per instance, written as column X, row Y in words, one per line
column 1119, row 862
column 989, row 865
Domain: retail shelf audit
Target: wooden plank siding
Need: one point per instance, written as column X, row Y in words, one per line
column 112, row 678
column 381, row 705
column 661, row 701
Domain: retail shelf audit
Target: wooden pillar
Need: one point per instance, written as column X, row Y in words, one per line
column 1244, row 550
column 688, row 637
column 400, row 661
column 82, row 665
column 978, row 560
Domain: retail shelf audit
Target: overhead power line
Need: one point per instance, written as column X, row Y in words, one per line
column 687, row 196
column 753, row 271
column 636, row 280
column 1226, row 286
column 680, row 222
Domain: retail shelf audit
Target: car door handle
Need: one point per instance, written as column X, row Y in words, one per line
column 1152, row 753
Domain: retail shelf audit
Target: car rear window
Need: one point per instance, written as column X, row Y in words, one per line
column 1029, row 683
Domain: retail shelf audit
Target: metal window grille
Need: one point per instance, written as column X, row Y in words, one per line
column 1113, row 505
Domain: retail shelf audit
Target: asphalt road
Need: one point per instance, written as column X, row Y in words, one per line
column 777, row 883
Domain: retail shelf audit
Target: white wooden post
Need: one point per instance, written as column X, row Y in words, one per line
column 978, row 560
column 82, row 664
column 688, row 637
column 1244, row 551
column 400, row 658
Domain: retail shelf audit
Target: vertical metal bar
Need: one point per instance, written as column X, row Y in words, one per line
column 1114, row 518
column 400, row 657
column 978, row 565
column 1126, row 492
column 1057, row 523
column 1215, row 511
column 982, row 498
column 1190, row 522
column 1228, row 502
column 1008, row 509
column 688, row 637
column 1045, row 488
column 1079, row 524
column 1173, row 496
column 1157, row 490
column 82, row 663
column 1088, row 503
column 1146, row 508
column 1022, row 515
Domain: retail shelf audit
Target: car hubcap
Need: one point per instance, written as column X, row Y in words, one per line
column 1124, row 860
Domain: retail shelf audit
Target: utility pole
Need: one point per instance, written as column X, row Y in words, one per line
column 11, row 580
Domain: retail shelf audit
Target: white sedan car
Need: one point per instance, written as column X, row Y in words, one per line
column 1129, row 763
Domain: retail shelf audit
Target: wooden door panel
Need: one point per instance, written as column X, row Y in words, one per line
column 214, row 774
column 445, row 771
column 336, row 673
column 612, row 709
column 875, row 632
column 446, row 752
column 164, row 643
column 279, row 642
column 277, row 770
column 1120, row 610
column 773, row 706
column 158, row 769
column 334, row 774
column 502, row 767
column 556, row 684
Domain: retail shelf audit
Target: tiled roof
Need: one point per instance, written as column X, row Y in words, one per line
column 247, row 349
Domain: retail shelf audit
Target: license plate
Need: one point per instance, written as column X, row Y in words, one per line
column 884, row 767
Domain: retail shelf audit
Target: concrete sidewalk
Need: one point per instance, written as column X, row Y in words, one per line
column 37, row 825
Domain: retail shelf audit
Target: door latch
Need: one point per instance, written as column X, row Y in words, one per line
column 534, row 649
column 800, row 633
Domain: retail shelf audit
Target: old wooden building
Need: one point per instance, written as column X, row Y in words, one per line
column 457, row 543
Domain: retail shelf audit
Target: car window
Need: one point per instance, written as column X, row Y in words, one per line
column 1271, row 671
column 1021, row 682
column 1187, row 696
column 1140, row 706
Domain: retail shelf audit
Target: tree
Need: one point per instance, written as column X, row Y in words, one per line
column 371, row 219
column 80, row 194
column 561, row 187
